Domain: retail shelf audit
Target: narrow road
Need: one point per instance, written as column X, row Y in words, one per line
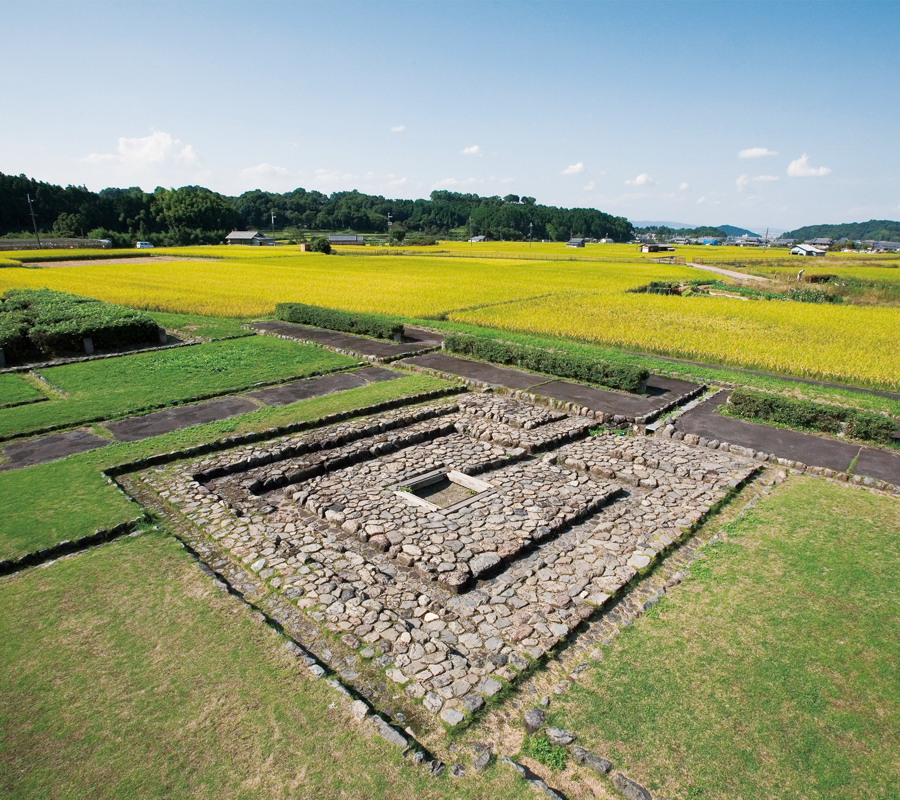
column 728, row 273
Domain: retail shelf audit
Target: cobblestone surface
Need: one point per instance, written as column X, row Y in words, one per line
column 450, row 604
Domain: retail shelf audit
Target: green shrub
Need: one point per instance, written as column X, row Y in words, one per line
column 806, row 415
column 44, row 322
column 320, row 245
column 541, row 750
column 626, row 377
column 333, row 320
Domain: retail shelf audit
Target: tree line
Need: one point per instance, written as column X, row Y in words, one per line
column 196, row 215
column 879, row 230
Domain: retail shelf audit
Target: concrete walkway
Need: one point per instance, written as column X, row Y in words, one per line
column 42, row 449
column 817, row 451
column 661, row 391
column 727, row 273
column 416, row 339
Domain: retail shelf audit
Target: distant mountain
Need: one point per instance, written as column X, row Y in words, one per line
column 731, row 230
column 881, row 230
column 657, row 224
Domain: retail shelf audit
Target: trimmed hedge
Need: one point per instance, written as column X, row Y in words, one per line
column 333, row 320
column 48, row 323
column 806, row 415
column 625, row 377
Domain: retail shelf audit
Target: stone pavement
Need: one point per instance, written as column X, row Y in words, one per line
column 662, row 391
column 288, row 393
column 133, row 429
column 703, row 421
column 50, row 448
column 443, row 604
column 416, row 339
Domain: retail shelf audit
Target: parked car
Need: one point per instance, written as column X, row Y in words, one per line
column 143, row 245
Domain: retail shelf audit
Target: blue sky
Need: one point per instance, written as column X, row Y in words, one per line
column 748, row 113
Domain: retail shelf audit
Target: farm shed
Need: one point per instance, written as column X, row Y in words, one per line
column 575, row 243
column 656, row 248
column 806, row 250
column 248, row 237
column 823, row 244
column 346, row 238
column 478, row 239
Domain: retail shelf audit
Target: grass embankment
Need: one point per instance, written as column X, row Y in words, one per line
column 771, row 672
column 117, row 387
column 205, row 327
column 125, row 674
column 49, row 503
column 13, row 389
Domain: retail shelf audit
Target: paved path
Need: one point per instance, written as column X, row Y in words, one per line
column 42, row 449
column 661, row 391
column 417, row 339
column 883, row 465
column 50, row 448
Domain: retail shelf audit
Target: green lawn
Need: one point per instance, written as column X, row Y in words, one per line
column 772, row 672
column 124, row 673
column 203, row 326
column 65, row 499
column 14, row 389
column 115, row 387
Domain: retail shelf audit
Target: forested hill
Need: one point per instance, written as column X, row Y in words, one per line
column 195, row 215
column 879, row 230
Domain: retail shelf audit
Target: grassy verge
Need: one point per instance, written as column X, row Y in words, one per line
column 15, row 390
column 115, row 387
column 771, row 673
column 199, row 325
column 49, row 503
column 701, row 372
column 125, row 673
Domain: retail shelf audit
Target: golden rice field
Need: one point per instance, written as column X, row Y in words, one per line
column 580, row 299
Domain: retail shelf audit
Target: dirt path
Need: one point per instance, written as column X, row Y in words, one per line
column 738, row 276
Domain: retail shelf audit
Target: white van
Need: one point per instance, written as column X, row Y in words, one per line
column 143, row 245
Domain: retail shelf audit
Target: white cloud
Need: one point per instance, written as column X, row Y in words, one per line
column 507, row 180
column 641, row 180
column 474, row 150
column 448, row 182
column 398, row 128
column 267, row 177
column 757, row 152
column 801, row 169
column 684, row 187
column 157, row 149
column 742, row 182
column 263, row 171
column 590, row 186
column 573, row 169
column 767, row 178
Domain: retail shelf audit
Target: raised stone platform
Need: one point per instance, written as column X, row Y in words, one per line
column 447, row 602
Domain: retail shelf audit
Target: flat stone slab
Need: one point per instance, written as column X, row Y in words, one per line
column 134, row 429
column 50, row 448
column 804, row 447
column 417, row 339
column 662, row 391
column 289, row 393
column 476, row 370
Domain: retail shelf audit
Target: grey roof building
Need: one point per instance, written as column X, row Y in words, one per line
column 248, row 237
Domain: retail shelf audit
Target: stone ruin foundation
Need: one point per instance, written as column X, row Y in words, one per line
column 433, row 598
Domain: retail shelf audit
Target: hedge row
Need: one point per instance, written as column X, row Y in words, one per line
column 42, row 322
column 332, row 320
column 626, row 377
column 863, row 425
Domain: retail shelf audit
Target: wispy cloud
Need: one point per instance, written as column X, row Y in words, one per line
column 757, row 152
column 573, row 169
column 157, row 149
column 742, row 182
column 590, row 186
column 448, row 182
column 801, row 169
column 641, row 180
column 684, row 186
column 398, row 128
column 474, row 150
column 766, row 178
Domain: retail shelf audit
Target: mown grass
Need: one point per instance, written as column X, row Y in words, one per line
column 771, row 672
column 124, row 673
column 13, row 389
column 118, row 386
column 203, row 326
column 50, row 503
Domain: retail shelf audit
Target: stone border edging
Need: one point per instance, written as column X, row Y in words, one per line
column 272, row 433
column 41, row 399
column 138, row 412
column 69, row 546
column 669, row 432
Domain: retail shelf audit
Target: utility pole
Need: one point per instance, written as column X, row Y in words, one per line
column 530, row 227
column 34, row 222
column 273, row 225
column 389, row 228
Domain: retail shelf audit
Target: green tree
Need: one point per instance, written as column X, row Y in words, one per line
column 320, row 245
